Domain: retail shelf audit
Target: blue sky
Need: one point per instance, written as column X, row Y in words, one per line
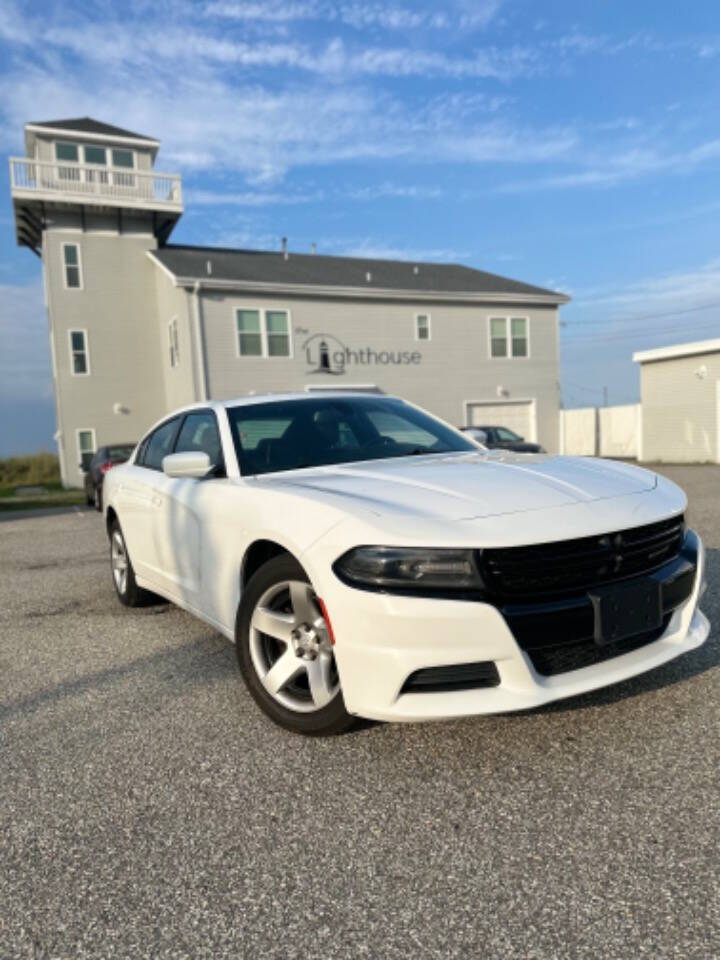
column 575, row 145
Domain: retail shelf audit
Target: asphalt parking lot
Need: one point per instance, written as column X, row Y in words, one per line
column 148, row 809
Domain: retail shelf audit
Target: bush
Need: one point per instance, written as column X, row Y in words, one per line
column 40, row 468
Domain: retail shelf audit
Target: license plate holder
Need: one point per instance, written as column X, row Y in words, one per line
column 624, row 610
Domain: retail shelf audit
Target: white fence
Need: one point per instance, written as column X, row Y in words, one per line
column 603, row 431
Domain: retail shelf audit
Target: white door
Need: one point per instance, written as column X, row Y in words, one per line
column 518, row 416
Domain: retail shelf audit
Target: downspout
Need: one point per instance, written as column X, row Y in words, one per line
column 199, row 342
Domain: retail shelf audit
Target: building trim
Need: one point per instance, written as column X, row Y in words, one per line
column 677, row 350
column 80, row 134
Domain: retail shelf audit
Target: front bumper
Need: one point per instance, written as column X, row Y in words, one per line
column 382, row 639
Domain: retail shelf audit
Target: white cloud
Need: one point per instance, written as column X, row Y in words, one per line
column 211, row 198
column 628, row 165
column 361, row 16
column 679, row 290
column 395, row 190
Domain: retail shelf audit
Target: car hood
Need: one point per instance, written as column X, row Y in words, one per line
column 467, row 485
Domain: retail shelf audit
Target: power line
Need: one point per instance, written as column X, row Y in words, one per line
column 715, row 324
column 649, row 316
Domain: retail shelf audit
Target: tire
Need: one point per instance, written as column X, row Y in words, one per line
column 305, row 696
column 98, row 499
column 90, row 501
column 129, row 593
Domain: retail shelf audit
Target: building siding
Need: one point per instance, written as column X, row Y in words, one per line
column 680, row 409
column 122, row 336
column 452, row 369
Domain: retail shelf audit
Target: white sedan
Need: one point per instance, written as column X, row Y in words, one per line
column 368, row 560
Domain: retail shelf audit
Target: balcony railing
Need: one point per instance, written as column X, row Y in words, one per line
column 117, row 185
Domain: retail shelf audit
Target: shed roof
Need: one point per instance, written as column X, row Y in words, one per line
column 678, row 350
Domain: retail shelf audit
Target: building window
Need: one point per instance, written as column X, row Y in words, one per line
column 95, row 155
column 422, row 326
column 509, row 337
column 519, row 336
column 263, row 333
column 174, row 342
column 79, row 364
column 123, row 158
column 85, row 447
column 66, row 151
column 71, row 266
column 278, row 333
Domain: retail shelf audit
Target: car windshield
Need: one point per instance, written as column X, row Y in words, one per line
column 296, row 434
column 505, row 434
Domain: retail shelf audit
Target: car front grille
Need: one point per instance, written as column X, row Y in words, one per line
column 556, row 569
column 542, row 591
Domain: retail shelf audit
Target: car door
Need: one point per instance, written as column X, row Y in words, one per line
column 141, row 498
column 180, row 521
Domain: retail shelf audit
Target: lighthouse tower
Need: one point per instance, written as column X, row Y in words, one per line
column 88, row 202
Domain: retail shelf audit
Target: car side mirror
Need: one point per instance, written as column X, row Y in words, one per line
column 194, row 463
column 522, row 438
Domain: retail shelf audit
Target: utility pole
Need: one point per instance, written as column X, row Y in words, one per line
column 605, row 396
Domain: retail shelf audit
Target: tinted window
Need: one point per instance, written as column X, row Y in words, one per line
column 159, row 444
column 199, row 433
column 120, row 453
column 293, row 434
column 505, row 434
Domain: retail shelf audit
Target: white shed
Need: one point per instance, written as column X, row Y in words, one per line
column 680, row 393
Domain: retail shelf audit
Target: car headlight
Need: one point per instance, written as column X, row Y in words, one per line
column 409, row 569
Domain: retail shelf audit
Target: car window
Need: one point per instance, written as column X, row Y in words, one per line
column 159, row 444
column 199, row 434
column 505, row 434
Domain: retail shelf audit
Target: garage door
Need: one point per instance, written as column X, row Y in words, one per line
column 519, row 416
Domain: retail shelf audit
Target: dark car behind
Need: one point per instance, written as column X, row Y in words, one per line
column 103, row 460
column 501, row 438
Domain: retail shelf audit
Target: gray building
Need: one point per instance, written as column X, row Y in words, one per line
column 680, row 395
column 139, row 326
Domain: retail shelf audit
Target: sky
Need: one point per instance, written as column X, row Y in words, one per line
column 573, row 144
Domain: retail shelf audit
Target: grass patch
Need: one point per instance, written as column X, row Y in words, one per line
column 38, row 468
column 61, row 498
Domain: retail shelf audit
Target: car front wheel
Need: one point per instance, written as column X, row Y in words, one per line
column 285, row 652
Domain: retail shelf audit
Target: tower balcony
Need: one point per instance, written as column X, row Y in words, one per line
column 84, row 183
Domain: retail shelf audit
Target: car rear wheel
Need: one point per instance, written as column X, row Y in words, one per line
column 285, row 653
column 129, row 593
column 98, row 499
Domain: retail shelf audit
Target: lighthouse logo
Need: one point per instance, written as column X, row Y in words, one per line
column 325, row 354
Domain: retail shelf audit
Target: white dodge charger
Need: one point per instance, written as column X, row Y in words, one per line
column 368, row 560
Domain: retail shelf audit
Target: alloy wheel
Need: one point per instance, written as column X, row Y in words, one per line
column 119, row 562
column 290, row 647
